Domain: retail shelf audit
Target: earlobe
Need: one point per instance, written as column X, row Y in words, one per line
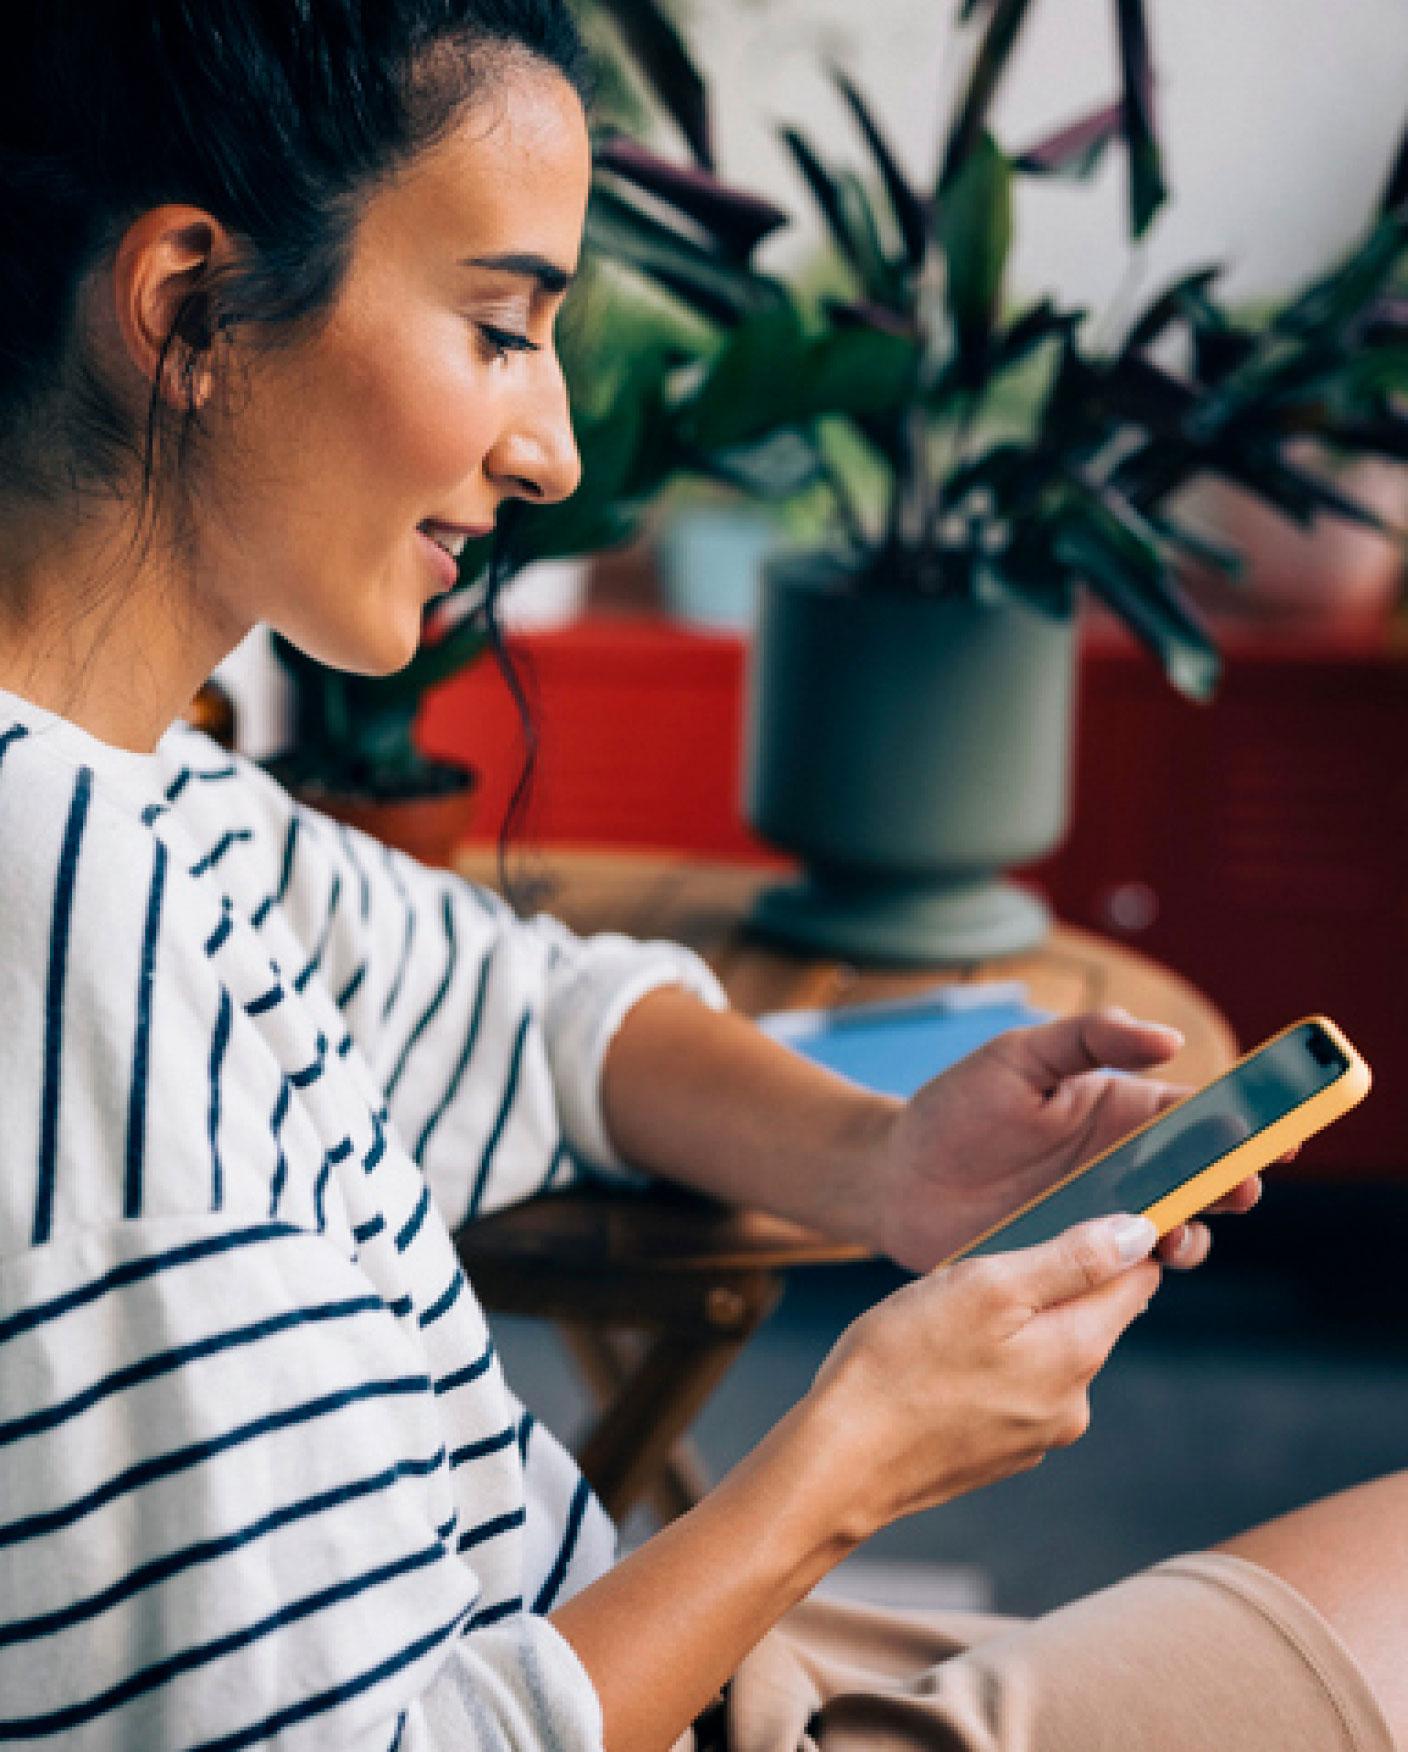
column 163, row 273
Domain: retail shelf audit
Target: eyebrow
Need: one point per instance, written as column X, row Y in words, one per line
column 550, row 277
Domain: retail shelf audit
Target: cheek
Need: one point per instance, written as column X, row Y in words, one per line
column 423, row 411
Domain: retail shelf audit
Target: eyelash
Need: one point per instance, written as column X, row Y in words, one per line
column 502, row 342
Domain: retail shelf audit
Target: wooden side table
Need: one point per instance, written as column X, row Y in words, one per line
column 696, row 1278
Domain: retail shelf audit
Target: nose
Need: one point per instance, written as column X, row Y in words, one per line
column 536, row 456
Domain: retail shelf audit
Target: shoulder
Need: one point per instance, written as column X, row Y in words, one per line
column 136, row 1082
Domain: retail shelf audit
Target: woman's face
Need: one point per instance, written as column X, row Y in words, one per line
column 431, row 395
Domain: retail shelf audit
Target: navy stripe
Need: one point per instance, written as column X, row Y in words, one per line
column 315, row 960
column 561, row 1157
column 364, row 1231
column 353, row 986
column 400, row 1733
column 326, row 1700
column 276, row 1126
column 196, row 1453
column 54, row 1003
column 153, row 812
column 364, row 886
column 427, row 1016
column 494, row 1614
column 470, row 1372
column 443, row 1303
column 481, row 1180
column 164, row 1362
column 378, row 1149
column 290, row 848
column 411, row 1227
column 314, row 1069
column 188, row 1557
column 466, row 1053
column 487, row 1530
column 141, row 1045
column 10, row 737
column 199, row 1655
column 136, row 1270
column 224, row 772
column 216, row 940
column 219, row 1042
column 388, row 858
column 486, row 1445
column 178, row 784
column 234, row 837
column 401, row 1306
column 265, row 1000
column 547, row 1594
column 526, row 1425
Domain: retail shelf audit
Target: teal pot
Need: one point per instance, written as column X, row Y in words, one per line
column 907, row 749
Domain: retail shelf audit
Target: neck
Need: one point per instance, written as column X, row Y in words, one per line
column 104, row 631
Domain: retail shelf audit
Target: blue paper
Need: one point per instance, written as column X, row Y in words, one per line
column 896, row 1047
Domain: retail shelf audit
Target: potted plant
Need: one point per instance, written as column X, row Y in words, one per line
column 912, row 674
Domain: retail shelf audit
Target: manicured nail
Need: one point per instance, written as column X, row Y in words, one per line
column 1134, row 1238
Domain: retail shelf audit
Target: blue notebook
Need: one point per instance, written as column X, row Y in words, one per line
column 896, row 1046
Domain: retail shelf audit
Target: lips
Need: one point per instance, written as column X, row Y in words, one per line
column 443, row 563
column 444, row 543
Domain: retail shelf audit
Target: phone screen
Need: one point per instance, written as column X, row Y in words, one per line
column 1189, row 1138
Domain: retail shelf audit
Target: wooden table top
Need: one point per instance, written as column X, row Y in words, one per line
column 702, row 905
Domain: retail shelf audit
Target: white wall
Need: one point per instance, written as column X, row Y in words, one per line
column 1278, row 118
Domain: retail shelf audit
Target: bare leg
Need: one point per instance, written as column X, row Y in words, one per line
column 1348, row 1555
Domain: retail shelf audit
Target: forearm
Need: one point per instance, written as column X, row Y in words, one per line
column 663, row 1630
column 708, row 1100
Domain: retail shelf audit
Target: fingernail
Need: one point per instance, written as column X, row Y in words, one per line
column 1134, row 1238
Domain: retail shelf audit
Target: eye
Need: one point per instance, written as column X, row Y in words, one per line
column 499, row 343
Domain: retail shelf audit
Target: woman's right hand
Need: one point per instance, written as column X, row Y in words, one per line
column 977, row 1370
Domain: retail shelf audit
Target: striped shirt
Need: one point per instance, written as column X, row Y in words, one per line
column 261, row 1479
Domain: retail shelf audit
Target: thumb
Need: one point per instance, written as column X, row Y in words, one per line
column 1081, row 1259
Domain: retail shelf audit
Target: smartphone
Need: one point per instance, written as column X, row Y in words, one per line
column 1186, row 1158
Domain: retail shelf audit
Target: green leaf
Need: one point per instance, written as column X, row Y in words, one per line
column 974, row 229
column 1147, row 188
column 845, row 207
column 911, row 221
column 707, row 282
column 989, row 65
column 660, row 54
column 1183, row 301
column 1338, row 297
column 1103, row 545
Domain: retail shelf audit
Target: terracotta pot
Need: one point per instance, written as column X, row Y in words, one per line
column 1335, row 576
column 430, row 829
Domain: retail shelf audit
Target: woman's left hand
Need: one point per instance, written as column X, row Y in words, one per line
column 1014, row 1117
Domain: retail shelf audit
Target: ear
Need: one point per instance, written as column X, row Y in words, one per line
column 165, row 263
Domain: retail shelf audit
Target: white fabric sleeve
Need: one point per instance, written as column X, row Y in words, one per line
column 591, row 984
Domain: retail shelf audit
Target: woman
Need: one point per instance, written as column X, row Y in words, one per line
column 275, row 335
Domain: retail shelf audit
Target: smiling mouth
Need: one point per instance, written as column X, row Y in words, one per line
column 450, row 537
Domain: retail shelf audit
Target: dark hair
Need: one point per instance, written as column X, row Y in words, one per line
column 278, row 117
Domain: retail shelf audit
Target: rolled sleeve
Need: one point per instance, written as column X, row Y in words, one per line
column 592, row 984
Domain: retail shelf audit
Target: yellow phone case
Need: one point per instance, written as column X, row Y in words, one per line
column 1244, row 1159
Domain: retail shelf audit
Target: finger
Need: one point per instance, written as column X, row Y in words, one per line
column 1186, row 1246
column 1083, row 1332
column 1240, row 1200
column 1074, row 1045
column 1076, row 1262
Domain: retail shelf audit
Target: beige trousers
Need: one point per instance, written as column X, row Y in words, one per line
column 1207, row 1653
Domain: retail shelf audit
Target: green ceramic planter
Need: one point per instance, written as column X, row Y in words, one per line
column 908, row 750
